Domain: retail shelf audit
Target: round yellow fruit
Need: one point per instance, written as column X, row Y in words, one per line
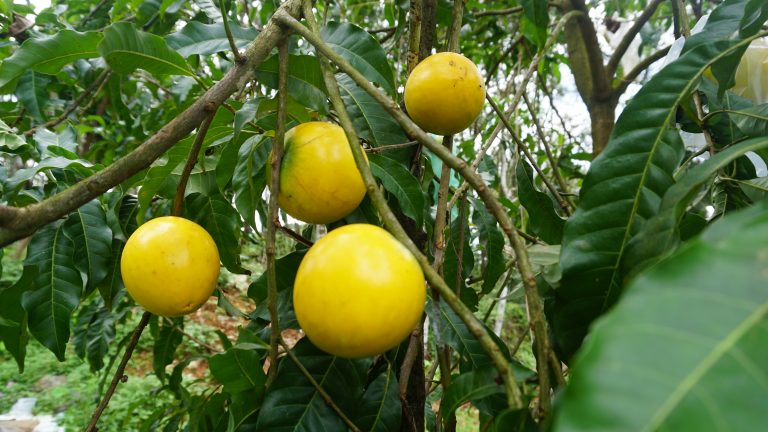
column 445, row 93
column 170, row 266
column 319, row 181
column 358, row 292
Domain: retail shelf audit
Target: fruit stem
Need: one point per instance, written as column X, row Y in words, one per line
column 178, row 201
column 273, row 216
column 514, row 397
column 120, row 372
column 239, row 59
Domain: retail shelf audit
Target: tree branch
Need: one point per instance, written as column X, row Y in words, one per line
column 232, row 45
column 119, row 373
column 194, row 152
column 27, row 220
column 273, row 220
column 621, row 49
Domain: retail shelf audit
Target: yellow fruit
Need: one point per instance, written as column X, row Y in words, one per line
column 358, row 292
column 319, row 181
column 444, row 93
column 170, row 266
column 751, row 80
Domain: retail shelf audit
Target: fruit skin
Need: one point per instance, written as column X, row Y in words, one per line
column 358, row 292
column 170, row 266
column 445, row 93
column 319, row 181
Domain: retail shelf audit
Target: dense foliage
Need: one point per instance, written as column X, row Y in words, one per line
column 611, row 278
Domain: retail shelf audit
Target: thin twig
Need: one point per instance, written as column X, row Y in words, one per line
column 76, row 103
column 273, row 220
column 548, row 152
column 496, row 12
column 296, row 236
column 119, row 373
column 91, row 14
column 210, row 348
column 621, row 49
column 514, row 397
column 644, row 64
column 323, row 394
column 194, row 152
column 239, row 59
column 390, row 147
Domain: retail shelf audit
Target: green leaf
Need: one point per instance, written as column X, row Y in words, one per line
column 543, row 221
column 197, row 38
column 305, row 80
column 167, row 340
column 623, row 189
column 62, row 144
column 31, row 91
column 56, row 289
column 248, row 181
column 126, row 49
column 82, row 167
column 380, row 409
column 245, row 114
column 457, row 246
column 216, row 215
column 160, row 172
column 9, row 141
column 752, row 121
column 713, row 373
column 92, row 238
column 370, row 119
column 15, row 337
column 362, row 51
column 398, row 181
column 456, row 334
column 286, row 268
column 661, row 234
column 470, row 386
column 293, row 403
column 94, row 331
column 534, row 21
column 238, row 370
column 47, row 55
column 492, row 241
column 211, row 9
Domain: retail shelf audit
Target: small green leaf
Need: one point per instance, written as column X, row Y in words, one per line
column 248, row 180
column 94, row 331
column 370, row 119
column 31, row 91
column 286, row 268
column 543, row 221
column 492, row 241
column 470, row 386
column 47, row 55
column 197, row 38
column 362, row 51
column 126, row 49
column 398, row 181
column 380, row 408
column 56, row 289
column 9, row 141
column 305, row 80
column 752, row 121
column 167, row 340
column 216, row 215
column 15, row 337
column 92, row 238
column 238, row 370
